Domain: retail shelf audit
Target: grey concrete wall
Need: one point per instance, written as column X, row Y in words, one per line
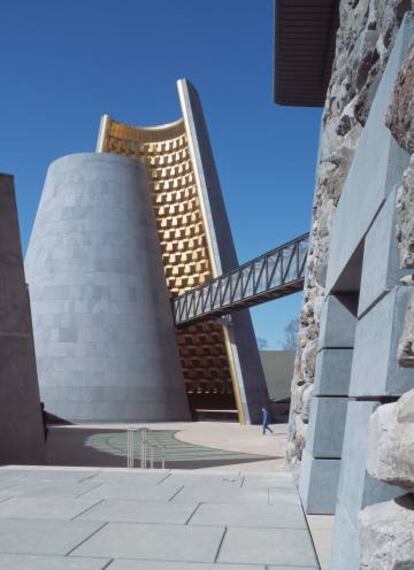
column 380, row 244
column 105, row 342
column 251, row 381
column 278, row 370
column 22, row 438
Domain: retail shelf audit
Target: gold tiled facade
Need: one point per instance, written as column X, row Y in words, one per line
column 183, row 239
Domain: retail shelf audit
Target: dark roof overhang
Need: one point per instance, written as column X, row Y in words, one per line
column 304, row 49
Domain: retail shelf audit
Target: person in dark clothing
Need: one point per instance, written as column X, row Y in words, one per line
column 265, row 420
column 44, row 420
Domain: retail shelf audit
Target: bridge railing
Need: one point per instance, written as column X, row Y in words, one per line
column 274, row 274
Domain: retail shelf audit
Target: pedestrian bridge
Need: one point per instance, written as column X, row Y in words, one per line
column 277, row 273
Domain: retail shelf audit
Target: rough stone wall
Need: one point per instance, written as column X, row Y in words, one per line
column 364, row 41
column 400, row 121
column 387, row 529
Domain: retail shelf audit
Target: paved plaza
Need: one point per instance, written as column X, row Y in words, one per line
column 68, row 518
column 232, row 505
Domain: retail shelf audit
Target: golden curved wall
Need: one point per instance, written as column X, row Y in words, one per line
column 183, row 239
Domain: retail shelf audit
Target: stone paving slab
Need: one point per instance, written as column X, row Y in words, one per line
column 44, row 508
column 51, row 489
column 248, row 515
column 47, row 475
column 25, row 562
column 156, row 542
column 284, row 480
column 214, row 494
column 267, row 546
column 278, row 496
column 43, row 536
column 126, row 477
column 140, row 512
column 176, row 520
column 134, row 491
column 146, row 565
column 206, row 479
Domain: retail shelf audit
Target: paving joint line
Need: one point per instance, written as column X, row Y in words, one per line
column 91, row 476
column 220, row 545
column 88, row 491
column 87, row 509
column 193, row 513
column 108, row 564
column 86, row 539
column 318, row 562
column 163, row 479
column 175, row 494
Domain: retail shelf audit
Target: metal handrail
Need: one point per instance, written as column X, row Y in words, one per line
column 147, row 450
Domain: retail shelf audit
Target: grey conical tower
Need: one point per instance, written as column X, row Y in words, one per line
column 104, row 336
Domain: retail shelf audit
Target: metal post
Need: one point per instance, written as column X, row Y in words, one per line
column 130, row 448
column 127, row 434
column 162, row 456
column 152, row 457
column 144, row 440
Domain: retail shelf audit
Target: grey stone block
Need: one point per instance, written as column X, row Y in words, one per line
column 138, row 478
column 338, row 320
column 381, row 264
column 267, row 546
column 326, row 427
column 278, row 480
column 157, row 542
column 375, row 369
column 214, row 494
column 333, row 372
column 132, row 491
column 102, row 318
column 150, row 565
column 61, row 489
column 27, row 562
column 43, row 536
column 44, row 508
column 131, row 511
column 345, row 553
column 282, row 497
column 318, row 484
column 356, row 489
column 356, row 210
column 265, row 516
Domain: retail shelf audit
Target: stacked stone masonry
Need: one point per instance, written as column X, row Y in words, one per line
column 364, row 41
column 358, row 260
column 387, row 528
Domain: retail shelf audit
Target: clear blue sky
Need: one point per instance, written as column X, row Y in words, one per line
column 64, row 64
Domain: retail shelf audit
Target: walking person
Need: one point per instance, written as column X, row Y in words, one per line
column 265, row 420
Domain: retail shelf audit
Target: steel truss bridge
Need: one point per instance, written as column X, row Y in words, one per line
column 277, row 273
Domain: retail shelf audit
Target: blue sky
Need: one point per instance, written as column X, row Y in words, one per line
column 64, row 64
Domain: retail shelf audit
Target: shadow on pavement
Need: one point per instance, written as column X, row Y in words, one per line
column 108, row 448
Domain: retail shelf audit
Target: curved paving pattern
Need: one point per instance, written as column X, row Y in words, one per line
column 109, row 448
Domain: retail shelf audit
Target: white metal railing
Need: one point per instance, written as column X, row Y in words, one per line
column 148, row 452
column 272, row 275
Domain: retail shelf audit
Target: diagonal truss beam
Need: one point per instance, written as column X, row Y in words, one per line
column 274, row 274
